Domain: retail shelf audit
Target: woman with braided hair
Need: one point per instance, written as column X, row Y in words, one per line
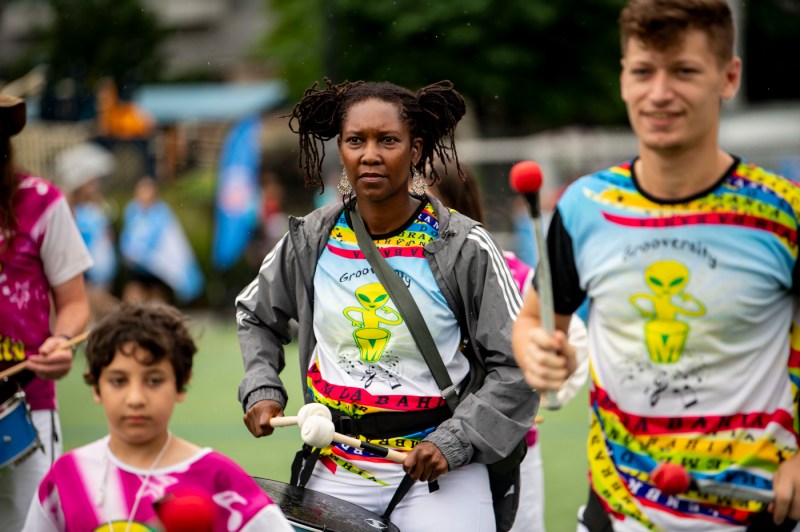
column 358, row 355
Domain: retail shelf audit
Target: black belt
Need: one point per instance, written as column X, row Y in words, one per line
column 389, row 424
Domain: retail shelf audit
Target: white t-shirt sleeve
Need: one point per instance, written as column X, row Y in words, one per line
column 64, row 254
column 38, row 520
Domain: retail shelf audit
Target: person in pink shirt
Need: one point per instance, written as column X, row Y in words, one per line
column 42, row 259
column 139, row 362
column 466, row 198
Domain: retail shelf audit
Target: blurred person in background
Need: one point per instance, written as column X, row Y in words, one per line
column 160, row 263
column 357, row 354
column 689, row 256
column 465, row 197
column 42, row 258
column 80, row 170
column 272, row 220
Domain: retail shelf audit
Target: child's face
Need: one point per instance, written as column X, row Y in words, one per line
column 138, row 399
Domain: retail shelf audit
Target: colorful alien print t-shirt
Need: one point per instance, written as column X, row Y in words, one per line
column 691, row 355
column 366, row 360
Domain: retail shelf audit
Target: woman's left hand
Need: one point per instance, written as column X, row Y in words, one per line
column 426, row 462
column 51, row 362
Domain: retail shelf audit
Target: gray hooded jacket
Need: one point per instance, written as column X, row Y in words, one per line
column 475, row 281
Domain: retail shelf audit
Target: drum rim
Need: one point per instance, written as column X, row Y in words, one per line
column 389, row 525
column 21, row 456
column 34, row 444
column 8, row 406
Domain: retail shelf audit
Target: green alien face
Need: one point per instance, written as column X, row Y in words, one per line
column 372, row 296
column 666, row 278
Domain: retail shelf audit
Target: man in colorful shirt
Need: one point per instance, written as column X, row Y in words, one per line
column 689, row 257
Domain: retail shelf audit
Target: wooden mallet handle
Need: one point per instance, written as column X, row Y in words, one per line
column 391, row 454
column 283, row 421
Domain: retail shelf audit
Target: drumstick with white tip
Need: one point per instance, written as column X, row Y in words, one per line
column 13, row 370
column 319, row 432
column 305, row 412
column 526, row 179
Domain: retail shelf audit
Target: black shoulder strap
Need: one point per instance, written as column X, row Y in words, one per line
column 408, row 309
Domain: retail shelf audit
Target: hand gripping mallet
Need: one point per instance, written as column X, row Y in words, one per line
column 305, row 412
column 526, row 179
column 16, row 368
column 319, row 432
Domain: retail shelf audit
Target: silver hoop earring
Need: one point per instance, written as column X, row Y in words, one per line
column 417, row 182
column 343, row 186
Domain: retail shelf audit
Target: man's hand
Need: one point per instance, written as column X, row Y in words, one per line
column 426, row 462
column 51, row 362
column 786, row 485
column 257, row 418
column 546, row 360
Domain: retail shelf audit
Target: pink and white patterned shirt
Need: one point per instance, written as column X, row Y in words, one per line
column 90, row 489
column 47, row 250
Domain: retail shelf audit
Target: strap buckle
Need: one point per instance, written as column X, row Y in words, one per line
column 449, row 394
column 345, row 424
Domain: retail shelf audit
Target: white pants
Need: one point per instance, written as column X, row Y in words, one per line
column 18, row 483
column 463, row 501
column 530, row 514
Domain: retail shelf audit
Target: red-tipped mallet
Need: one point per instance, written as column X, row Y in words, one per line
column 671, row 479
column 526, row 179
column 187, row 510
column 674, row 479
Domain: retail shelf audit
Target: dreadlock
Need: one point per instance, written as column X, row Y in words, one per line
column 431, row 113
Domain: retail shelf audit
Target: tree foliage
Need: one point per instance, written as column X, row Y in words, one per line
column 771, row 41
column 523, row 64
column 94, row 39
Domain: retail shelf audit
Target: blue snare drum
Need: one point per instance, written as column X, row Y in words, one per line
column 18, row 436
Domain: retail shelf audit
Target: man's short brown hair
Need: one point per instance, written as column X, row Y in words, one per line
column 661, row 24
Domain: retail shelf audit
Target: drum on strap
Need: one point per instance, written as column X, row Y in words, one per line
column 311, row 510
column 18, row 436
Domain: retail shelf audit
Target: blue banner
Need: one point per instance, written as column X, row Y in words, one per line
column 238, row 194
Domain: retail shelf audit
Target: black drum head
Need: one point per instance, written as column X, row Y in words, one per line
column 318, row 511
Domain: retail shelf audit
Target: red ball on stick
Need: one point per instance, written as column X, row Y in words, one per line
column 187, row 511
column 671, row 479
column 526, row 177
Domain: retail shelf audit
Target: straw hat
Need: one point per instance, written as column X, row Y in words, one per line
column 12, row 115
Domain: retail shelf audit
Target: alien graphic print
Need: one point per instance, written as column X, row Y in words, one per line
column 366, row 360
column 692, row 358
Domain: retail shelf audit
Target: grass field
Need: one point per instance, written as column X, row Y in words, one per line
column 211, row 416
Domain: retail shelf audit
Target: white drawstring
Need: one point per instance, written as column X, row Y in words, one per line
column 100, row 500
